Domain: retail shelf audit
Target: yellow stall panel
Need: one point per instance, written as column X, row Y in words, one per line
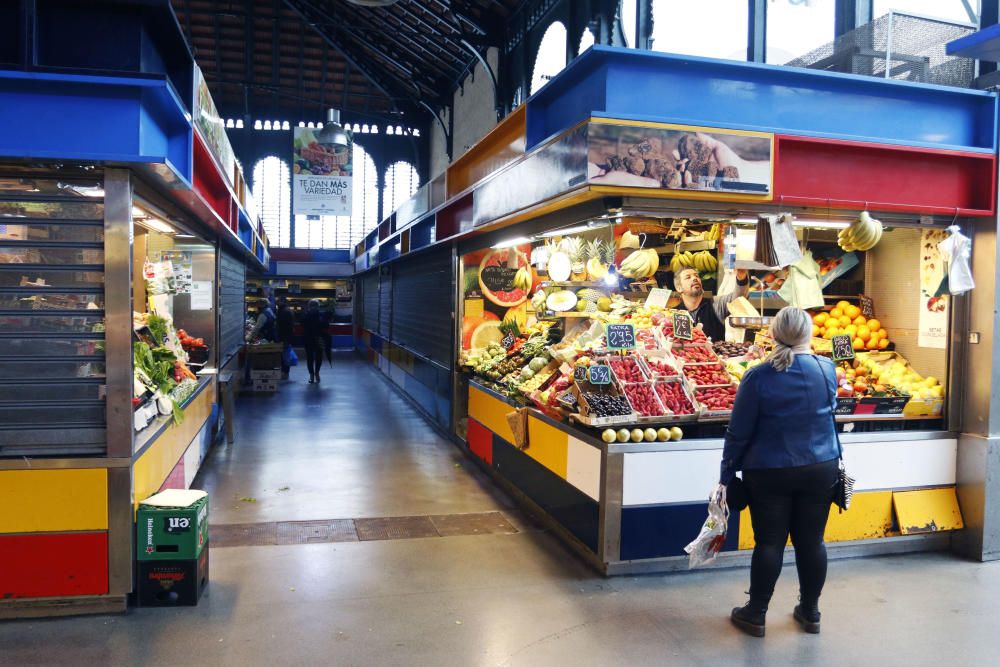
column 927, row 511
column 44, row 501
column 491, row 412
column 548, row 445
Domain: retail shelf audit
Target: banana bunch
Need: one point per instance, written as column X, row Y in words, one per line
column 522, row 279
column 640, row 265
column 704, row 261
column 863, row 234
column 714, row 233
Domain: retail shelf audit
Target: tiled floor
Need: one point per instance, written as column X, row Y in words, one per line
column 354, row 448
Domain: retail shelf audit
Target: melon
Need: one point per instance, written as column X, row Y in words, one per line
column 486, row 332
column 469, row 325
column 502, row 259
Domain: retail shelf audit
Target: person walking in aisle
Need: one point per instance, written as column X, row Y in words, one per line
column 314, row 332
column 285, row 325
column 782, row 436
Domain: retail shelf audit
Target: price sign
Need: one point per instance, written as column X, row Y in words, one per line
column 600, row 374
column 843, row 348
column 658, row 297
column 580, row 373
column 508, row 340
column 682, row 325
column 498, row 278
column 621, row 337
column 867, row 306
column 568, row 401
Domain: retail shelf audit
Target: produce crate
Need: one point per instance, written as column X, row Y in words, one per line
column 662, row 357
column 924, row 407
column 675, row 351
column 889, row 405
column 265, row 357
column 629, row 359
column 657, row 405
column 166, row 531
column 264, row 386
column 271, row 374
column 584, row 416
column 690, row 369
column 707, row 412
column 172, row 583
column 687, row 392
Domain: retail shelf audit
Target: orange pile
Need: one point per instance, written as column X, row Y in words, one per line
column 846, row 319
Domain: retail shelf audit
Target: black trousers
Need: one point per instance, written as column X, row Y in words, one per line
column 783, row 502
column 314, row 359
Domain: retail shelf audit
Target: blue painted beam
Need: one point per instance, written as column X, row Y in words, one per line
column 644, row 85
column 90, row 118
column 982, row 45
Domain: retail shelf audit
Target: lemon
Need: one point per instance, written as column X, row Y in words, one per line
column 604, row 304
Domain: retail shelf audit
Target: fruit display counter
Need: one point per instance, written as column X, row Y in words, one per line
column 594, row 396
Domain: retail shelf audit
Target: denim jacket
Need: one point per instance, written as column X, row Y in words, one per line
column 782, row 419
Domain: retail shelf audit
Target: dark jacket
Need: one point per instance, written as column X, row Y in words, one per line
column 314, row 329
column 782, row 419
column 285, row 324
column 712, row 313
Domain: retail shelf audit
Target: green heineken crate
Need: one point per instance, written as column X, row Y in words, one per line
column 172, row 525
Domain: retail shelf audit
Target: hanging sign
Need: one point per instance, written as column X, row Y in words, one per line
column 321, row 175
column 600, row 374
column 843, row 348
column 621, row 337
column 682, row 325
column 498, row 278
column 932, row 322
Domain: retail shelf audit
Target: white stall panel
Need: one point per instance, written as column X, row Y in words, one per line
column 583, row 467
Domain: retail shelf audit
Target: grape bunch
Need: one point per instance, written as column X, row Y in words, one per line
column 606, row 405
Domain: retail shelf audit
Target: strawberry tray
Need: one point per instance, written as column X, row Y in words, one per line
column 672, row 416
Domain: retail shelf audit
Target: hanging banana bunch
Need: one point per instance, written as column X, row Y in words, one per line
column 640, row 264
column 863, row 234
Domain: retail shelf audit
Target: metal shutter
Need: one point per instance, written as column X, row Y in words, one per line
column 369, row 297
column 422, row 317
column 232, row 293
column 385, row 302
column 52, row 365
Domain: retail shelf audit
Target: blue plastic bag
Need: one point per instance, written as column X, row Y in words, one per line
column 291, row 359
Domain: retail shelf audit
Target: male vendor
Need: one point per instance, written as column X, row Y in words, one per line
column 709, row 313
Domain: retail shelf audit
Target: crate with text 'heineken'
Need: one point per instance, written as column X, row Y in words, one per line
column 172, row 525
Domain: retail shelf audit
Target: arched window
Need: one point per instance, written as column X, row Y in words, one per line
column 401, row 181
column 341, row 231
column 628, row 11
column 272, row 189
column 586, row 40
column 716, row 29
column 551, row 56
column 951, row 10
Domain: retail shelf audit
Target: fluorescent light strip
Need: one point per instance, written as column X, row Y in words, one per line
column 802, row 222
column 510, row 243
column 571, row 230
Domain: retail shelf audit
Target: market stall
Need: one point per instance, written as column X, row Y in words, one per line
column 585, row 388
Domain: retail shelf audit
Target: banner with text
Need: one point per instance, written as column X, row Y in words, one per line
column 934, row 297
column 321, row 175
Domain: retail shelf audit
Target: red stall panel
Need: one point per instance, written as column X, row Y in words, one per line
column 481, row 441
column 53, row 565
column 836, row 174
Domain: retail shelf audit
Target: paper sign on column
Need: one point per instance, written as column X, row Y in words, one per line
column 201, row 295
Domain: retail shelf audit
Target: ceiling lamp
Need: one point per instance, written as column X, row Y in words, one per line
column 332, row 133
column 372, row 3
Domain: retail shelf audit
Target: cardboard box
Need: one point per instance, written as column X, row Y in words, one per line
column 172, row 583
column 264, row 386
column 166, row 531
column 265, row 375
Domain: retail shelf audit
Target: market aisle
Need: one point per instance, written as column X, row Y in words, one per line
column 348, row 447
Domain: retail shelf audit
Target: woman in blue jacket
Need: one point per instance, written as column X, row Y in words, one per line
column 782, row 437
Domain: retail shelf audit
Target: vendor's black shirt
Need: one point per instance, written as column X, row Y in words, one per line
column 705, row 315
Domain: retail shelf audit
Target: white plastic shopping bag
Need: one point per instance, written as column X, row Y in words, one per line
column 707, row 545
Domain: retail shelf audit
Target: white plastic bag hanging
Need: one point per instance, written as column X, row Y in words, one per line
column 957, row 251
column 707, row 545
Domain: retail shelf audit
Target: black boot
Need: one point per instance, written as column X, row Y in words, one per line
column 807, row 615
column 749, row 618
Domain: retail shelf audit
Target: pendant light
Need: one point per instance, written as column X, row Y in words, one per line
column 332, row 133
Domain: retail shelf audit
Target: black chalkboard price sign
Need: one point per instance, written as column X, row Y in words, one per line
column 843, row 348
column 498, row 278
column 600, row 374
column 682, row 325
column 580, row 373
column 508, row 340
column 621, row 337
column 867, row 306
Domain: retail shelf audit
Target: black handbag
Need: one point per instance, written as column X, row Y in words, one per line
column 843, row 489
column 736, row 495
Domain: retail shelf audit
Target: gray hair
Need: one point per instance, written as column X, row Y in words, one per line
column 313, row 304
column 791, row 330
column 677, row 276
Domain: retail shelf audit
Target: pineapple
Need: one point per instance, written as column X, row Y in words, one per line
column 574, row 247
column 601, row 254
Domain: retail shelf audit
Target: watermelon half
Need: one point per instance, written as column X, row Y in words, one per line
column 508, row 260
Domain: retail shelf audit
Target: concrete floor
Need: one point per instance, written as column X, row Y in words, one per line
column 517, row 600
